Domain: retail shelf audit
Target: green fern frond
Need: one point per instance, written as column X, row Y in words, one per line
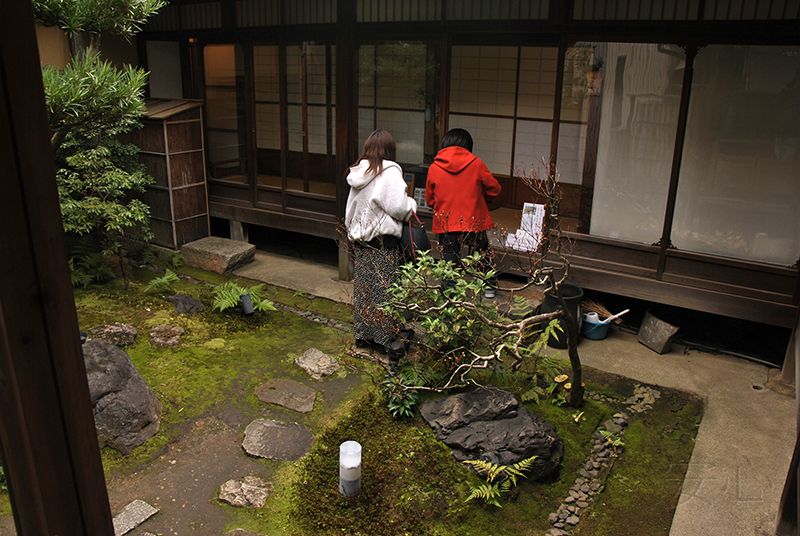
column 488, row 493
column 525, row 465
column 533, row 394
column 229, row 296
column 164, row 282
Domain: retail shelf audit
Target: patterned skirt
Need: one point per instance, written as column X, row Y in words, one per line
column 374, row 271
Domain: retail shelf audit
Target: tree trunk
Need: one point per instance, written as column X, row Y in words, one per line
column 575, row 394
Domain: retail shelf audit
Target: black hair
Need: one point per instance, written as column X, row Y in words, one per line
column 457, row 137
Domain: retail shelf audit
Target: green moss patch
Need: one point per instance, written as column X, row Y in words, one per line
column 410, row 482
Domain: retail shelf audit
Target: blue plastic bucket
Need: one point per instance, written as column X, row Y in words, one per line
column 594, row 330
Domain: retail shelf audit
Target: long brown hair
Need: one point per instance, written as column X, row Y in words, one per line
column 380, row 146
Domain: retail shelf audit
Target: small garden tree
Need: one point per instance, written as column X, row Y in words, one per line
column 464, row 334
column 89, row 103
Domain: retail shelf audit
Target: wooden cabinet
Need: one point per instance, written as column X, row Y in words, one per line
column 171, row 147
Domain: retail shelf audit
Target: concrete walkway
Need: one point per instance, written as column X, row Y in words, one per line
column 741, row 456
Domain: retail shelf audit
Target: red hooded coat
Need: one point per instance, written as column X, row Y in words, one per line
column 458, row 189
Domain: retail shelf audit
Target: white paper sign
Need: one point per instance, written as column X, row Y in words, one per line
column 529, row 235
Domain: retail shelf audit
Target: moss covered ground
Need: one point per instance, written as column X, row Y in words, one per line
column 411, row 485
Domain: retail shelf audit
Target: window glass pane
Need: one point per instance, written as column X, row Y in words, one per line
column 397, row 86
column 268, row 118
column 492, row 138
column 739, row 190
column 483, row 80
column 574, row 119
column 309, row 167
column 532, row 145
column 537, row 83
column 225, row 112
column 504, row 96
column 636, row 94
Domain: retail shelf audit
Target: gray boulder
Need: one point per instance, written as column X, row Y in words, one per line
column 491, row 425
column 126, row 411
column 120, row 334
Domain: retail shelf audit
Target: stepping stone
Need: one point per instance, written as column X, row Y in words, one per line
column 241, row 532
column 132, row 516
column 287, row 393
column 317, row 363
column 247, row 492
column 121, row 335
column 216, row 254
column 165, row 335
column 276, row 440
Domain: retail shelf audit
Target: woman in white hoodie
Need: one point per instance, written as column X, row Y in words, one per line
column 376, row 209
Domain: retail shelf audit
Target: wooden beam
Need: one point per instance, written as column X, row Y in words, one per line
column 47, row 432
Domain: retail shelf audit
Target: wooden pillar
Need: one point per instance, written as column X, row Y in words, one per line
column 49, row 442
column 789, row 510
column 346, row 113
column 239, row 231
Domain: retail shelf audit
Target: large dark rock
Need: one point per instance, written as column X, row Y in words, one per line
column 491, row 425
column 126, row 411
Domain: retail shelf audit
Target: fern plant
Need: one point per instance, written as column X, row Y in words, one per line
column 175, row 259
column 229, row 296
column 500, row 479
column 88, row 269
column 164, row 282
column 611, row 440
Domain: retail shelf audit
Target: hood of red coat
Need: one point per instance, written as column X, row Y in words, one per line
column 454, row 159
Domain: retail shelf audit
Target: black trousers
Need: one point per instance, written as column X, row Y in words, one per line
column 452, row 244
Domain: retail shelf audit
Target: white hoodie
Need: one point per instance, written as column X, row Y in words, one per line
column 377, row 205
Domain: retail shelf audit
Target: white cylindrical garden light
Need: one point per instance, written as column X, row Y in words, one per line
column 349, row 468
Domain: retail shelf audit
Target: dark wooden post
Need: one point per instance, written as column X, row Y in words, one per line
column 49, row 442
column 346, row 112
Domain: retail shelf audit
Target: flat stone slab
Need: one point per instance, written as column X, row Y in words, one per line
column 276, row 440
column 132, row 516
column 215, row 254
column 287, row 393
column 121, row 335
column 165, row 335
column 317, row 363
column 247, row 492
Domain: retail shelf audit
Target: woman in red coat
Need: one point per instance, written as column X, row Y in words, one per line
column 458, row 190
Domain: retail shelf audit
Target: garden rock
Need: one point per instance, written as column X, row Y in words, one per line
column 276, row 440
column 165, row 335
column 317, row 363
column 241, row 532
column 287, row 393
column 119, row 334
column 247, row 492
column 132, row 516
column 491, row 425
column 185, row 304
column 126, row 411
column 216, row 254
